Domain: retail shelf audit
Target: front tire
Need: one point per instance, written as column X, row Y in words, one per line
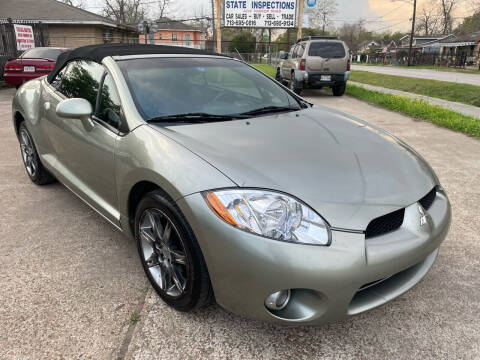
column 170, row 254
column 34, row 167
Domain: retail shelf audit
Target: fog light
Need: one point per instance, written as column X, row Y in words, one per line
column 278, row 300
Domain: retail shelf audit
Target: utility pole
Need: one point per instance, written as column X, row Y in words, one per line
column 219, row 23
column 412, row 33
column 300, row 19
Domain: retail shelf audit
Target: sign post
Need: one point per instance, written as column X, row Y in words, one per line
column 24, row 36
column 219, row 31
column 300, row 19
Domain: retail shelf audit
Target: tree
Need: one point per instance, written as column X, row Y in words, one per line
column 125, row 11
column 428, row 20
column 163, row 7
column 243, row 42
column 447, row 7
column 75, row 3
column 470, row 24
column 322, row 15
column 354, row 34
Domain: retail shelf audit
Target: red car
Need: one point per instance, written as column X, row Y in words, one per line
column 31, row 64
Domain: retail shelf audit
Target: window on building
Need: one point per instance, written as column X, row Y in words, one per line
column 187, row 39
column 159, row 36
column 174, row 37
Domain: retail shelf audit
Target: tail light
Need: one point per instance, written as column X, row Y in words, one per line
column 348, row 65
column 12, row 67
column 45, row 67
column 302, row 64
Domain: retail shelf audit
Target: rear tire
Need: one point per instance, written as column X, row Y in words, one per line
column 339, row 90
column 173, row 263
column 34, row 167
column 295, row 86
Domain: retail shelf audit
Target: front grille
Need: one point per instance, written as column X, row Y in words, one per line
column 428, row 199
column 385, row 224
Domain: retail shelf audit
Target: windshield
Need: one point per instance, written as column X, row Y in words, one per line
column 327, row 50
column 171, row 86
column 42, row 54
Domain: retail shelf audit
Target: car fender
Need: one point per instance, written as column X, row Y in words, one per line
column 26, row 102
column 148, row 155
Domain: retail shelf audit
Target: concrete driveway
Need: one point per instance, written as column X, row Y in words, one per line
column 69, row 282
column 450, row 76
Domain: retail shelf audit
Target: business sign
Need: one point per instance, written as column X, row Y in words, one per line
column 24, row 36
column 260, row 13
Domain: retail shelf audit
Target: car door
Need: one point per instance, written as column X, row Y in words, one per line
column 85, row 155
column 287, row 64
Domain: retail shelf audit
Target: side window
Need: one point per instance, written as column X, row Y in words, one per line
column 81, row 79
column 300, row 50
column 110, row 109
column 294, row 52
column 290, row 53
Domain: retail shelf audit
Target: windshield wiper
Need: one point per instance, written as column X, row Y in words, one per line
column 269, row 110
column 198, row 117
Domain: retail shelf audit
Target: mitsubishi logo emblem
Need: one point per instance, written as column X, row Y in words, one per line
column 423, row 218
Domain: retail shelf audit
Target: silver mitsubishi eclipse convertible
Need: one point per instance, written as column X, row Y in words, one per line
column 235, row 189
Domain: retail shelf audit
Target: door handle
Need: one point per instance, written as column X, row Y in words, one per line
column 46, row 105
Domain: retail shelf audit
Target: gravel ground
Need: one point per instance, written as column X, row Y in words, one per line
column 70, row 283
column 450, row 76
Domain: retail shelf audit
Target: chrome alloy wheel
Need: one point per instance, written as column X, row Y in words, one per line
column 28, row 153
column 163, row 252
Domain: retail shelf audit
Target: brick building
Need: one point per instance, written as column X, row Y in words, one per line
column 176, row 33
column 64, row 25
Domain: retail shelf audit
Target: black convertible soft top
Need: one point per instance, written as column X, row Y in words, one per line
column 98, row 52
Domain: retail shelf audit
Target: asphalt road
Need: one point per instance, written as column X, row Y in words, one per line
column 450, row 76
column 69, row 282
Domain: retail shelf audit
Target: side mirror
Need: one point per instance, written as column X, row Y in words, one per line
column 76, row 108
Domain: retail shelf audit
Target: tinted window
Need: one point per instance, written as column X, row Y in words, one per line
column 42, row 54
column 299, row 50
column 172, row 86
column 110, row 108
column 294, row 52
column 329, row 50
column 81, row 79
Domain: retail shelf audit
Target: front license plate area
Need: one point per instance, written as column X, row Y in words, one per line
column 29, row 69
column 326, row 78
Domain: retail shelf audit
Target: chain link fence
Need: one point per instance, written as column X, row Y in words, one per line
column 463, row 61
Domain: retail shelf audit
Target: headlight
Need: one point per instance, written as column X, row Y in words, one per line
column 269, row 214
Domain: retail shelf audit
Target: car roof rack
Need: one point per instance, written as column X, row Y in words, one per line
column 318, row 38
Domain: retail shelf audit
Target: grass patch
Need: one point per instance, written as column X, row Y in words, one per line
column 419, row 109
column 267, row 69
column 134, row 318
column 429, row 67
column 463, row 93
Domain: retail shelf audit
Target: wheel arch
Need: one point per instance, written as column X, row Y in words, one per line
column 18, row 118
column 137, row 192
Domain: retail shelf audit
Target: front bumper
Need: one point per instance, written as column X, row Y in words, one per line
column 325, row 281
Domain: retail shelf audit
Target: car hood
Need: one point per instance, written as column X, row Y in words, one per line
column 346, row 169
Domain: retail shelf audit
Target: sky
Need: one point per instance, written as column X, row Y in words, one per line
column 379, row 15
